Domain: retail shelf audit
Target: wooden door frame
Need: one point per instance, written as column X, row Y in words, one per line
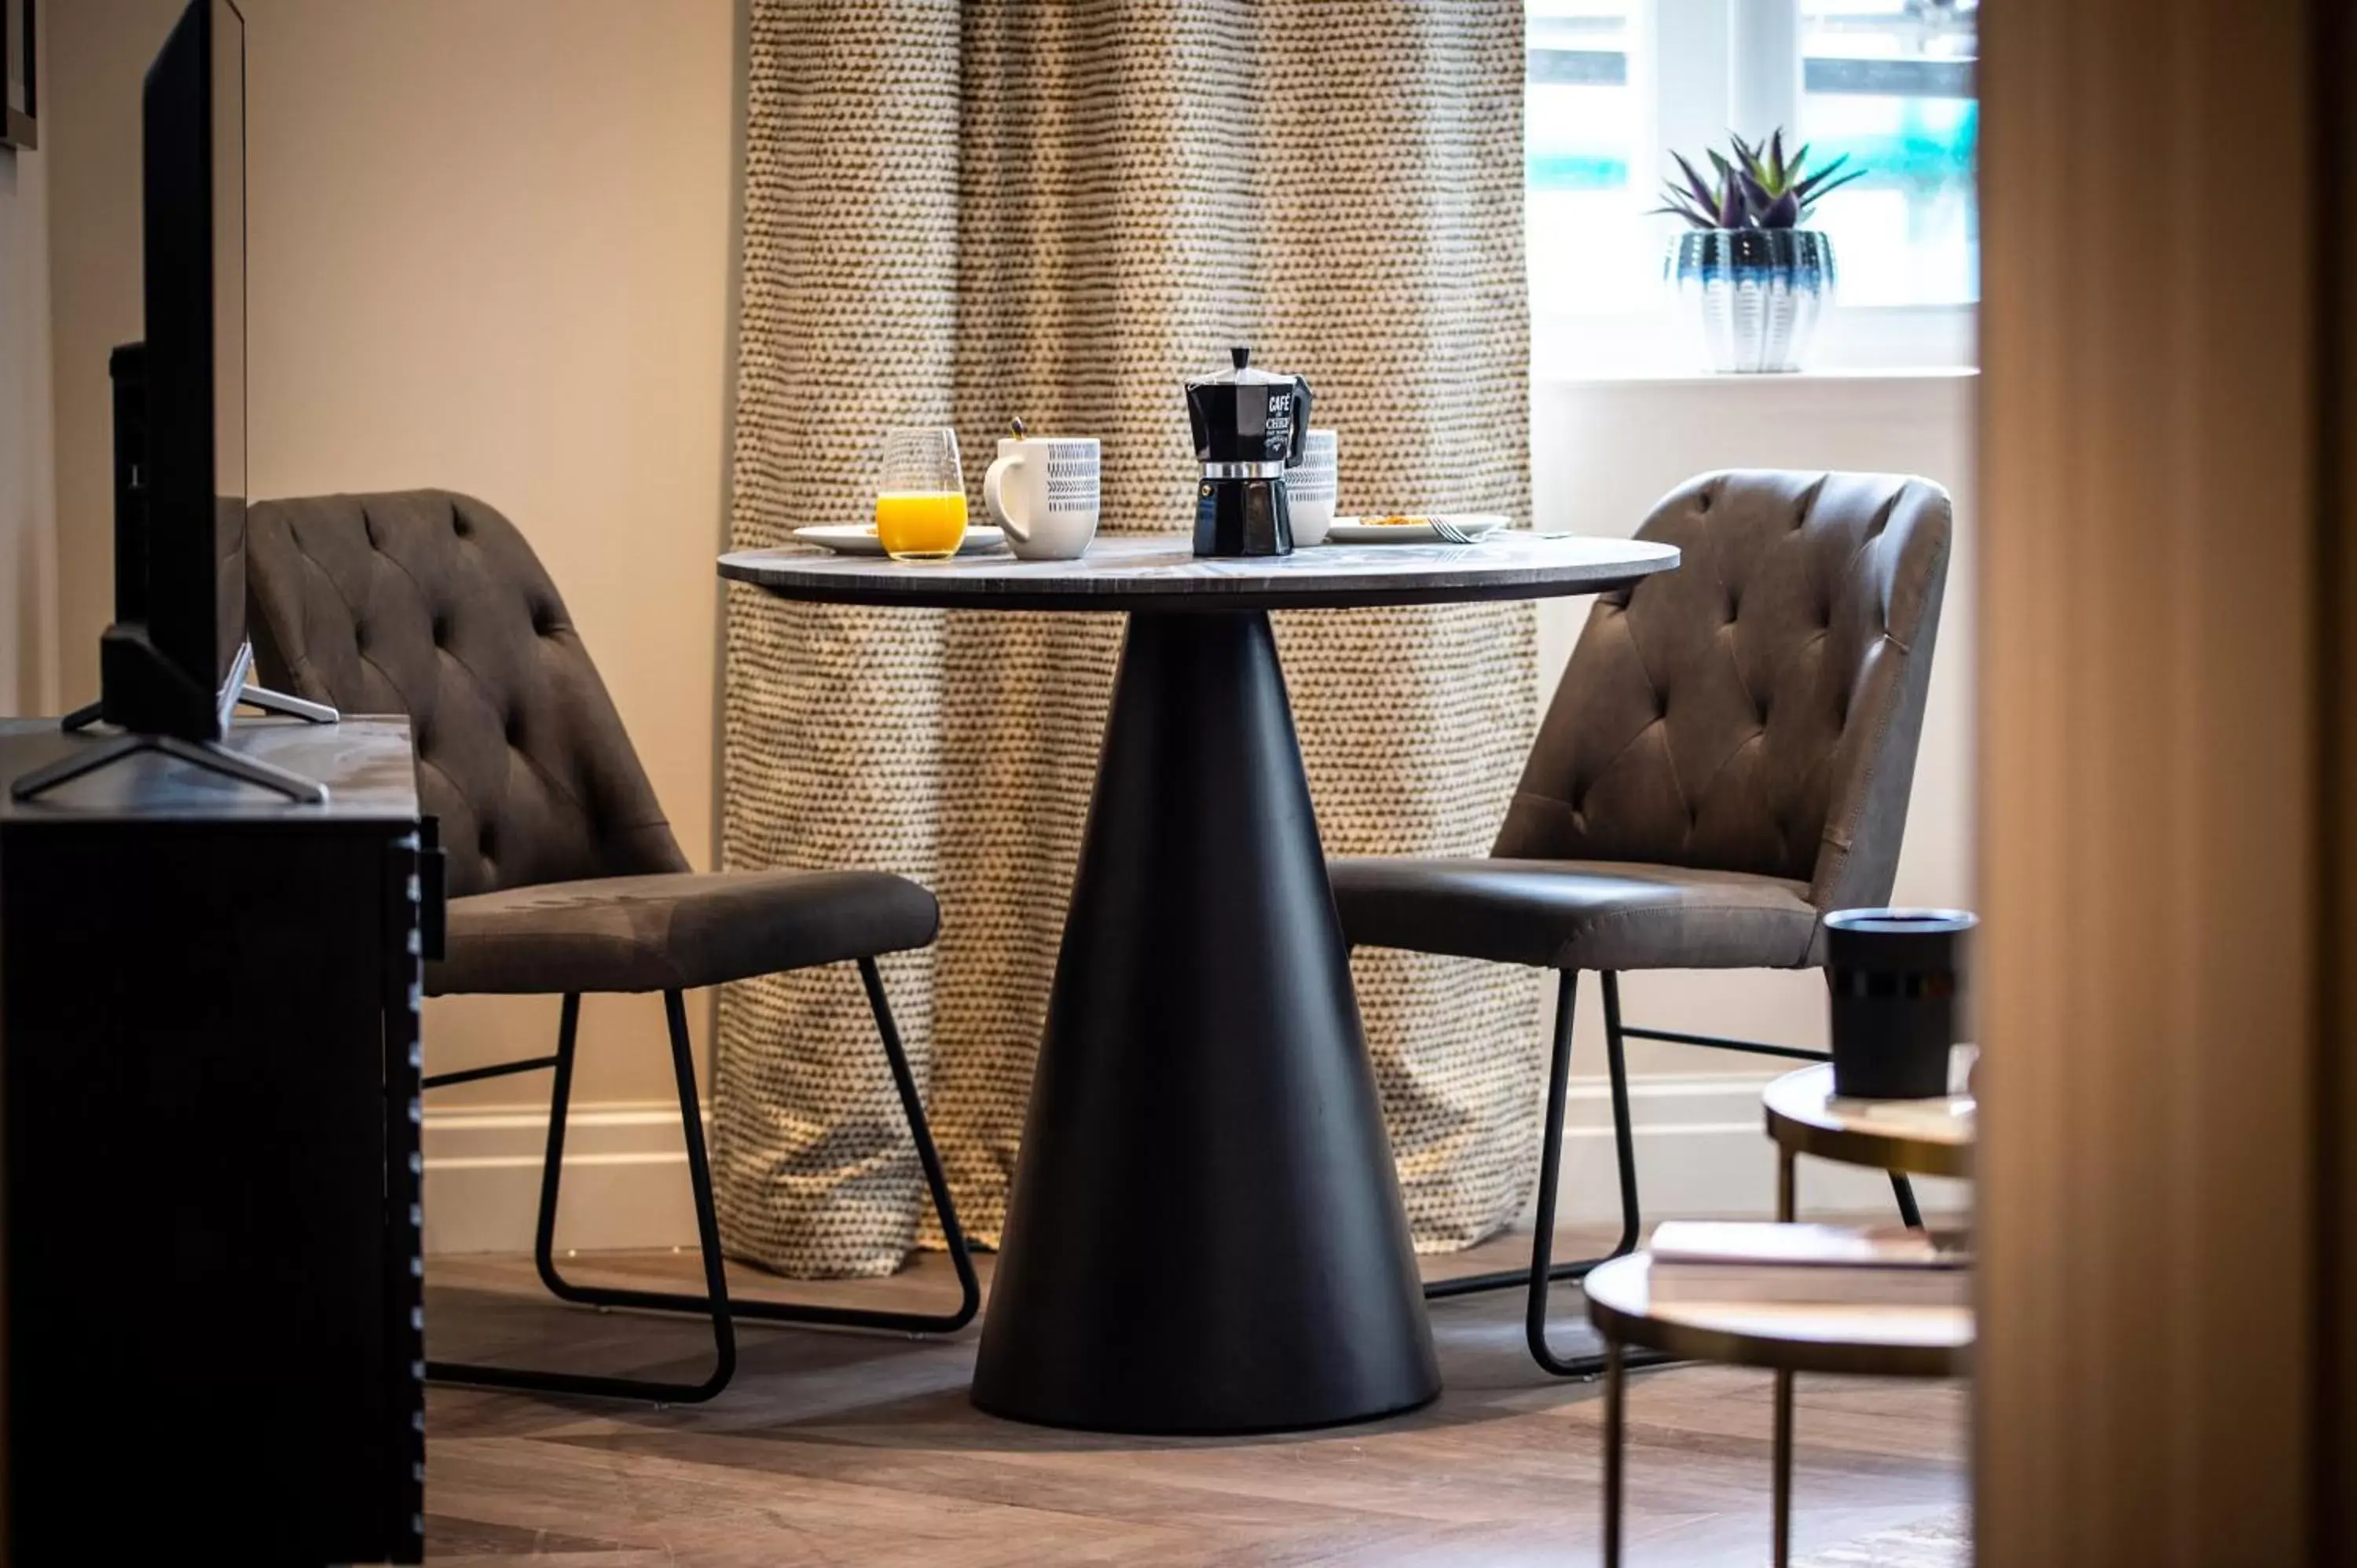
column 2335, row 1457
column 2166, row 1356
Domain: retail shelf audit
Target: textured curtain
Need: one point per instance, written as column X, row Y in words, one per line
column 960, row 214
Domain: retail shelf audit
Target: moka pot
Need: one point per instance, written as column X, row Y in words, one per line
column 1248, row 424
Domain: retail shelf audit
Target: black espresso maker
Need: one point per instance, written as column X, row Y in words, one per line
column 1249, row 423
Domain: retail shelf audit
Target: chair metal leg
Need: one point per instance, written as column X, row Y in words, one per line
column 936, row 1181
column 1721, row 1043
column 1552, row 1152
column 1904, row 1190
column 715, row 1302
column 1542, row 1271
column 714, row 1305
column 1624, row 1135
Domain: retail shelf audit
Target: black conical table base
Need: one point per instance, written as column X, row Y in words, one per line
column 1205, row 1234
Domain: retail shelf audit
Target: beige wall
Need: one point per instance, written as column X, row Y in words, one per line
column 489, row 249
column 28, row 537
column 96, row 54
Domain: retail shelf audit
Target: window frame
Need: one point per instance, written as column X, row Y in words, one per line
column 1699, row 67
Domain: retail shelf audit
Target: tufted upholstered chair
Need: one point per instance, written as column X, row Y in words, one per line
column 562, row 873
column 1727, row 760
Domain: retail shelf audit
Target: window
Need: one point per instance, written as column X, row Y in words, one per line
column 1587, row 158
column 1889, row 82
column 1614, row 84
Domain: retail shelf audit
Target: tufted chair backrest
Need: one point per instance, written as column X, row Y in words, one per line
column 1758, row 709
column 432, row 605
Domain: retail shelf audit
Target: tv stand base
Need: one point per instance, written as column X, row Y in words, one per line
column 212, row 758
column 249, row 695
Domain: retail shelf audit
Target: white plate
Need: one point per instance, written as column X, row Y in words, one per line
column 1351, row 530
column 859, row 539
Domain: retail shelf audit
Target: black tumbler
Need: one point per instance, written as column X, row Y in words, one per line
column 1894, row 975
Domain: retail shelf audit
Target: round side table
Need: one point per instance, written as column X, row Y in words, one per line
column 1919, row 1137
column 1804, row 1116
column 1872, row 1341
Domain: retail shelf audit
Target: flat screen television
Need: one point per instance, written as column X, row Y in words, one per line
column 173, row 662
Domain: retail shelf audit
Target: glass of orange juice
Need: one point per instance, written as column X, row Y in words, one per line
column 920, row 504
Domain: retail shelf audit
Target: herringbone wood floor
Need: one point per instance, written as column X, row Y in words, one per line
column 840, row 1449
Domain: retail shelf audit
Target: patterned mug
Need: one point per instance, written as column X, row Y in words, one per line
column 1310, row 488
column 1043, row 491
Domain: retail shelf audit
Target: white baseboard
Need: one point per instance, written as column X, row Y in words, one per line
column 1700, row 1150
column 1703, row 1148
column 625, row 1178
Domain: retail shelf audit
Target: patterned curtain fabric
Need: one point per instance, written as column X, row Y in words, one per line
column 960, row 214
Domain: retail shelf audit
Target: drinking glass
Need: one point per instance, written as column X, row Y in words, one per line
column 921, row 503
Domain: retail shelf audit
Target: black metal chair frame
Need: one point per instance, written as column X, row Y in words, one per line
column 714, row 1304
column 1543, row 1271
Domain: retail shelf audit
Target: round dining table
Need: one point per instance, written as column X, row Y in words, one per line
column 1206, row 1233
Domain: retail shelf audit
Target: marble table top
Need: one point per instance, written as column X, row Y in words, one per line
column 1160, row 572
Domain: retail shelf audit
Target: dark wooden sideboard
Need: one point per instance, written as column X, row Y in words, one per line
column 209, row 1181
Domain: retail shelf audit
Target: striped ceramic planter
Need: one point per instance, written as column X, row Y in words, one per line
column 1755, row 294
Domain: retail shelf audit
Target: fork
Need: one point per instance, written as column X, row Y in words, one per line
column 1450, row 531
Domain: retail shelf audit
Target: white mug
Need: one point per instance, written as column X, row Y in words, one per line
column 1310, row 488
column 1042, row 491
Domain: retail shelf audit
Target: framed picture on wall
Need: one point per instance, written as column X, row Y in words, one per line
column 16, row 58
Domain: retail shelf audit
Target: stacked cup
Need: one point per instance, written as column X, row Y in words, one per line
column 1310, row 488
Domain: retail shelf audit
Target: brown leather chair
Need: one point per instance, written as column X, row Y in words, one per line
column 563, row 877
column 1727, row 760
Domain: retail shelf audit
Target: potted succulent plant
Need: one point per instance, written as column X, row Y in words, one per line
column 1753, row 276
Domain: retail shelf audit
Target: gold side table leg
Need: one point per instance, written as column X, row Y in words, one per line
column 1616, row 1394
column 1785, row 1198
column 1783, row 1468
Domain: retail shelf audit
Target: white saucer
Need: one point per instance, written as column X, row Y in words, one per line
column 1353, row 530
column 859, row 539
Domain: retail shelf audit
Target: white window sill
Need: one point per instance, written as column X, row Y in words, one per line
column 1768, row 382
column 1657, row 344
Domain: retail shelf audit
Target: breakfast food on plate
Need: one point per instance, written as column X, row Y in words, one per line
column 1397, row 520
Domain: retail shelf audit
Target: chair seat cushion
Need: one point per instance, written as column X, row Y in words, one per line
column 675, row 930
column 1575, row 913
